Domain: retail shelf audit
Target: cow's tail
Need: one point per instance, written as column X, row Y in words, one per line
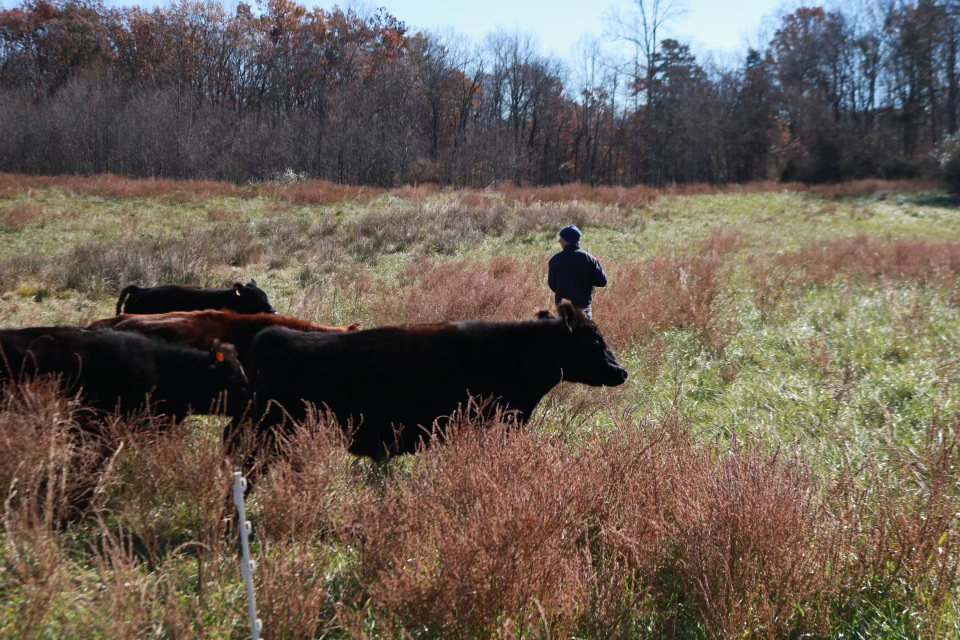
column 123, row 295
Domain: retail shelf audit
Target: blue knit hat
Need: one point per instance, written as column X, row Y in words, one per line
column 571, row 234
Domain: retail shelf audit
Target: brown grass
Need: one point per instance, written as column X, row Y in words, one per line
column 47, row 460
column 752, row 542
column 870, row 187
column 908, row 517
column 444, row 226
column 113, row 186
column 95, row 266
column 292, row 596
column 648, row 297
column 637, row 196
column 169, row 486
column 617, row 196
column 641, row 195
column 927, row 262
column 502, row 288
column 501, row 533
column 46, row 469
column 304, row 497
column 219, row 214
column 20, row 215
column 497, row 532
column 645, row 297
column 476, row 541
column 320, row 192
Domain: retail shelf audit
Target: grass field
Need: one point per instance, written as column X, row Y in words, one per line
column 784, row 460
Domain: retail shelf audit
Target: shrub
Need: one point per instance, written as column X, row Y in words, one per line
column 947, row 155
column 935, row 263
column 502, row 288
column 480, row 536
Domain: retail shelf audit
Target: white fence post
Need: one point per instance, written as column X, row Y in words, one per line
column 239, row 486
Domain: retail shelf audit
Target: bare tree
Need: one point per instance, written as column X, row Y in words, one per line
column 642, row 28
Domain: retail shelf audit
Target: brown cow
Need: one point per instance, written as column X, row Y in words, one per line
column 203, row 329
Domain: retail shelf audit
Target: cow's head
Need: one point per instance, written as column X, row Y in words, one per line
column 584, row 356
column 227, row 374
column 251, row 298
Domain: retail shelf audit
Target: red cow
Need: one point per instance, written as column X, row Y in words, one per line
column 203, row 329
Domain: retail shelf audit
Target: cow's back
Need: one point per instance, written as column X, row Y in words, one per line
column 381, row 378
column 167, row 298
column 206, row 328
column 118, row 370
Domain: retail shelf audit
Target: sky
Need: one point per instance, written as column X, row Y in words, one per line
column 723, row 28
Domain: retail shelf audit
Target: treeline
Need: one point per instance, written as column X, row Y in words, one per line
column 191, row 91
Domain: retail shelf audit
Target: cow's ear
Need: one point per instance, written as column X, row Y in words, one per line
column 569, row 314
column 252, row 283
column 222, row 352
column 238, row 288
column 216, row 353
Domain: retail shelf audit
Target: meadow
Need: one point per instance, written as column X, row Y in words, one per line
column 784, row 460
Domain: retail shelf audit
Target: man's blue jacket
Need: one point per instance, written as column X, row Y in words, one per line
column 573, row 273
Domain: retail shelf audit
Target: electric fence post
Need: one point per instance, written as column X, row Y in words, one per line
column 248, row 567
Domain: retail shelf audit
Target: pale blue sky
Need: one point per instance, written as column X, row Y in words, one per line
column 724, row 28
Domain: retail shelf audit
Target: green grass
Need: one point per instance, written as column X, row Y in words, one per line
column 839, row 374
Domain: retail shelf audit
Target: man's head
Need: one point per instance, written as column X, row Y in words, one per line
column 570, row 235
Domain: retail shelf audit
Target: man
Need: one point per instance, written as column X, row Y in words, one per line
column 573, row 273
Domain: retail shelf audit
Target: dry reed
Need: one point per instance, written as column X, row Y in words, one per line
column 860, row 258
column 320, row 192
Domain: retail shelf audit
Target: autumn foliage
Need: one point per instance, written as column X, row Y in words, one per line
column 275, row 90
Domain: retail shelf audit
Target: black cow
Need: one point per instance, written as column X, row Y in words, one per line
column 122, row 370
column 413, row 375
column 242, row 298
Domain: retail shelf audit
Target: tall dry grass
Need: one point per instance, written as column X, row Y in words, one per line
column 169, row 486
column 97, row 266
column 645, row 297
column 869, row 187
column 310, row 487
column 20, row 215
column 114, row 186
column 753, row 543
column 42, row 472
column 500, row 288
column 475, row 541
column 425, row 227
column 49, row 458
column 501, row 532
column 907, row 514
column 441, row 226
column 294, row 597
column 649, row 296
column 498, row 532
column 320, row 192
column 927, row 262
column 676, row 292
column 97, row 519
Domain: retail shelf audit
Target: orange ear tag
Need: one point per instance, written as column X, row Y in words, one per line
column 219, row 357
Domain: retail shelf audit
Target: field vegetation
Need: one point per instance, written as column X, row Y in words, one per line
column 784, row 460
